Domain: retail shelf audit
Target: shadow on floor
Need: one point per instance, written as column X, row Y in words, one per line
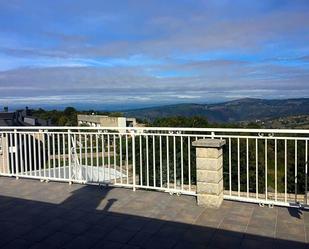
column 78, row 223
column 295, row 212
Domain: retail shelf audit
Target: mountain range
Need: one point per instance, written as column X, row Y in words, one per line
column 246, row 109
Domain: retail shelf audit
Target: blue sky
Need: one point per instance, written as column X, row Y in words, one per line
column 122, row 54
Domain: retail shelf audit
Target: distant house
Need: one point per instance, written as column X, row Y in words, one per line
column 8, row 119
column 105, row 121
column 21, row 118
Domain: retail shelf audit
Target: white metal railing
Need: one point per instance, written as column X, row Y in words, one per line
column 266, row 166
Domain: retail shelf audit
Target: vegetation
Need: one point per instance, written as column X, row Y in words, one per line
column 287, row 122
column 232, row 111
column 191, row 122
column 253, row 166
column 68, row 117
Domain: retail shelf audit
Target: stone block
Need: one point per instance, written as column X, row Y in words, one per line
column 209, row 143
column 209, row 188
column 209, row 163
column 208, row 152
column 209, row 176
column 210, row 201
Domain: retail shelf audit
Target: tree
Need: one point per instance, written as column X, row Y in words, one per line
column 70, row 111
column 62, row 121
column 179, row 121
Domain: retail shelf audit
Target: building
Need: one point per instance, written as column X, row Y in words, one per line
column 21, row 118
column 105, row 121
column 9, row 118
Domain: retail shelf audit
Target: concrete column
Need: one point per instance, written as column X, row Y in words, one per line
column 209, row 172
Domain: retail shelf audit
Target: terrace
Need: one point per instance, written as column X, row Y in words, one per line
column 58, row 215
column 119, row 198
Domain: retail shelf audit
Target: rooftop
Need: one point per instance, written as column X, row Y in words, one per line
column 22, row 117
column 59, row 215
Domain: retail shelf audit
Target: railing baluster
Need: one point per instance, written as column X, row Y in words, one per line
column 181, row 161
column 86, row 157
column 16, row 153
column 127, row 158
column 189, row 162
column 257, row 168
column 238, row 166
column 91, row 156
column 75, row 155
column 161, row 176
column 34, row 154
column 120, row 157
column 133, row 162
column 58, row 138
column 247, row 161
column 54, row 155
column 115, row 161
column 285, row 170
column 230, row 166
column 174, row 153
column 11, row 151
column 108, row 157
column 21, row 154
column 147, row 161
column 306, row 172
column 8, row 153
column 70, row 156
column 48, row 155
column 64, row 155
column 296, row 175
column 276, row 174
column 44, row 154
column 3, row 153
column 140, row 161
column 39, row 152
column 97, row 155
column 167, row 162
column 103, row 158
column 266, row 166
column 80, row 153
column 154, row 160
column 25, row 154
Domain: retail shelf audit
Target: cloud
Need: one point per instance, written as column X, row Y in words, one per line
column 152, row 52
column 195, row 27
column 305, row 58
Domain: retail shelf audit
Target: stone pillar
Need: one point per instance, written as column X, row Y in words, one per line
column 209, row 172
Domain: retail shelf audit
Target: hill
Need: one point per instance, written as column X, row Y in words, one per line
column 247, row 109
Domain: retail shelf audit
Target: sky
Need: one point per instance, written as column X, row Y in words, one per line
column 124, row 54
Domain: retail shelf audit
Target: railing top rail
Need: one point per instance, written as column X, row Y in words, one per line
column 220, row 130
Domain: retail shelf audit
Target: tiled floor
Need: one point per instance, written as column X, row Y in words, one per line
column 59, row 215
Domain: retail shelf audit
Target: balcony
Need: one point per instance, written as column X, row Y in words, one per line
column 264, row 180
